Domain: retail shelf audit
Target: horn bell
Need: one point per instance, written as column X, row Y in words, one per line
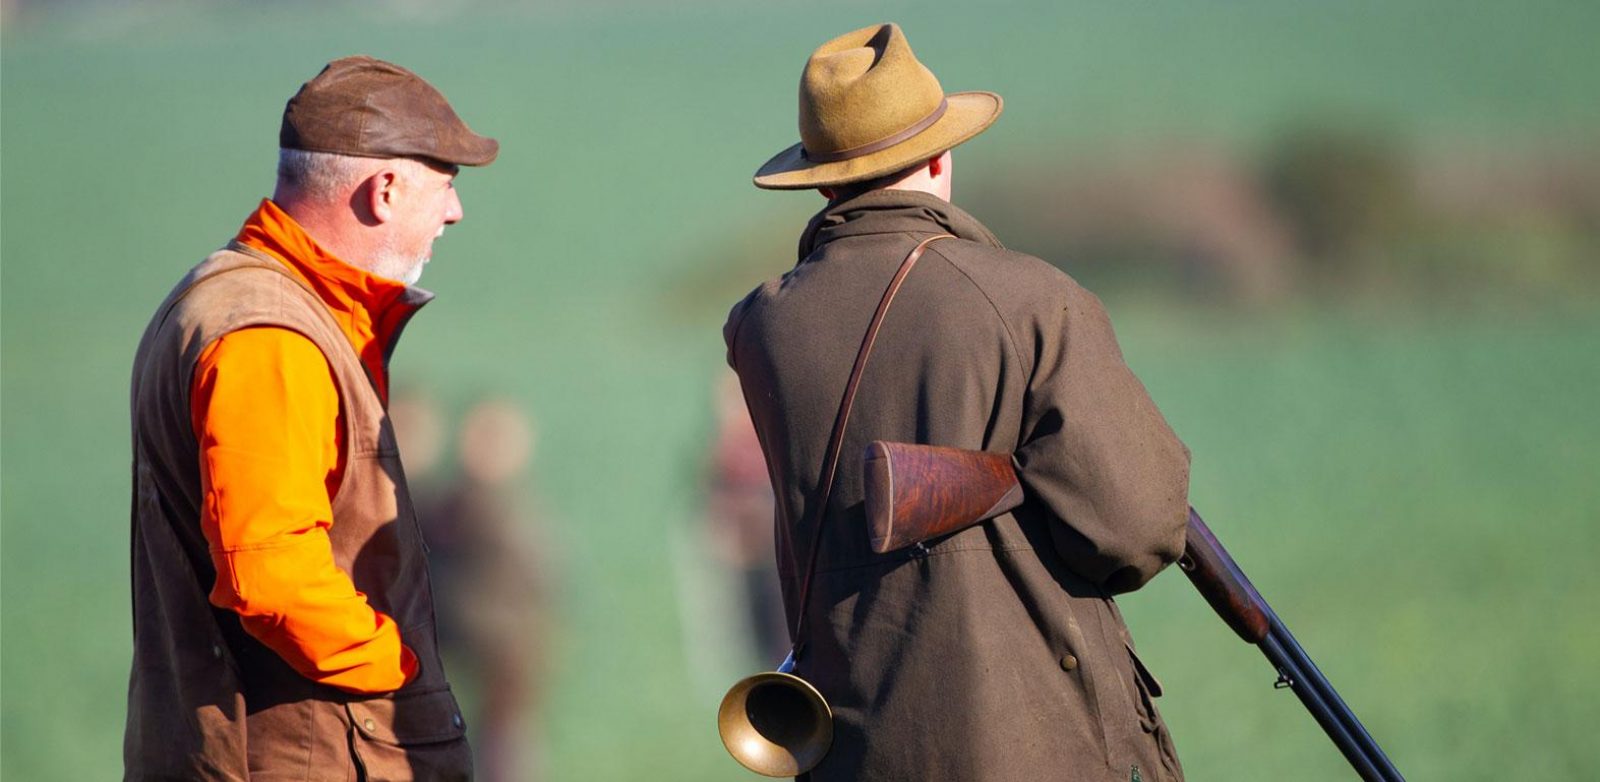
column 775, row 723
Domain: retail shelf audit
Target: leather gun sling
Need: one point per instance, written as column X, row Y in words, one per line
column 836, row 439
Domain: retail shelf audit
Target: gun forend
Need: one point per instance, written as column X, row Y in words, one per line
column 1218, row 578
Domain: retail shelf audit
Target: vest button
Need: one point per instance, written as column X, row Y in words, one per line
column 216, row 651
column 369, row 725
column 1068, row 662
column 455, row 719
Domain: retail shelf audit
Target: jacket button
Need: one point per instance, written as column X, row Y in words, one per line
column 1068, row 662
column 369, row 725
column 455, row 719
column 216, row 651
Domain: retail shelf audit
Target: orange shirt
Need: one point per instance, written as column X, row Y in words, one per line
column 265, row 409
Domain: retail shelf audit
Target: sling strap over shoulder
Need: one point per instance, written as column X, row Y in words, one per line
column 836, row 439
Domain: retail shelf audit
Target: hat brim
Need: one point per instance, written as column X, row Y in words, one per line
column 969, row 113
column 475, row 151
column 470, row 149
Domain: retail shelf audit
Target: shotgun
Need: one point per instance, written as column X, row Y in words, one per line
column 919, row 492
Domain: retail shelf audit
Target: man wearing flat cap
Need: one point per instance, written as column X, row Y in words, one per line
column 282, row 617
column 996, row 653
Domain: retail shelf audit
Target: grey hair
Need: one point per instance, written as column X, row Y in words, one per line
column 319, row 175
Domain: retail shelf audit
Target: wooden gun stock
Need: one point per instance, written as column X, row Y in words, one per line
column 919, row 492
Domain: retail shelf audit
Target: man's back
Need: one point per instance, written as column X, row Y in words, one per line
column 984, row 655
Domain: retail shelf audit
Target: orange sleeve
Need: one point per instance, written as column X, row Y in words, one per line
column 265, row 409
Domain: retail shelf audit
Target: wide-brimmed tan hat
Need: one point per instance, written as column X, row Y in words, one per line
column 366, row 107
column 869, row 108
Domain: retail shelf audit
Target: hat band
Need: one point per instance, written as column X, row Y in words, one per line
column 880, row 144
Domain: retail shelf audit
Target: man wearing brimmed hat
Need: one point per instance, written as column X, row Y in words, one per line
column 995, row 653
column 283, row 622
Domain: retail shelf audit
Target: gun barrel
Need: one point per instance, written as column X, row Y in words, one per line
column 1224, row 585
column 917, row 492
column 1318, row 696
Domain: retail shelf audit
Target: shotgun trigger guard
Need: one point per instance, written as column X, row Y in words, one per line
column 1284, row 680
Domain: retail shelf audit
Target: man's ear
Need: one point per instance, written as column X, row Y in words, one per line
column 382, row 194
column 936, row 166
column 827, row 192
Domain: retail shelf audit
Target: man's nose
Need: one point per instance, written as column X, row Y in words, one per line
column 453, row 212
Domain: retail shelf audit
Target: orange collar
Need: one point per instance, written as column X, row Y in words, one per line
column 371, row 310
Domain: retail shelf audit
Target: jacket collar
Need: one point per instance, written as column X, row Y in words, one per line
column 370, row 310
column 891, row 211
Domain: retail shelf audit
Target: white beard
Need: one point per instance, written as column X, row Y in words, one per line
column 415, row 274
column 391, row 264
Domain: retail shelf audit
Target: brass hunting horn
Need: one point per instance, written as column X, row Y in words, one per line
column 777, row 724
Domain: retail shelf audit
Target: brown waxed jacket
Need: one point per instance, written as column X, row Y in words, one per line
column 206, row 701
column 996, row 653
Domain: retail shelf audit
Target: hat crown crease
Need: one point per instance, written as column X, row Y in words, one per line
column 855, row 92
column 871, row 112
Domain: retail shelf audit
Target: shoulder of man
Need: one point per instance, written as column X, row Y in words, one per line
column 1036, row 302
column 242, row 280
column 1019, row 285
column 229, row 291
column 736, row 316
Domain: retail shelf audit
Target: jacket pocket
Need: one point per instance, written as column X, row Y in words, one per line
column 1149, row 688
column 411, row 735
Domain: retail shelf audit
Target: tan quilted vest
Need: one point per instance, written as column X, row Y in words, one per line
column 206, row 700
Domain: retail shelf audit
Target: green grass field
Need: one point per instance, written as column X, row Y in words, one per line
column 1412, row 485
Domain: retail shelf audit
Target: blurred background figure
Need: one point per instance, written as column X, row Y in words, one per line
column 739, row 520
column 489, row 569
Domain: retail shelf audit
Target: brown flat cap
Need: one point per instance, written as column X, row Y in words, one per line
column 366, row 107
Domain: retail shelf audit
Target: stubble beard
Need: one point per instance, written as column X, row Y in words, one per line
column 393, row 264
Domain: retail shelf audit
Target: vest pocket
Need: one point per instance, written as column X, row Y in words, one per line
column 409, row 717
column 410, row 735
